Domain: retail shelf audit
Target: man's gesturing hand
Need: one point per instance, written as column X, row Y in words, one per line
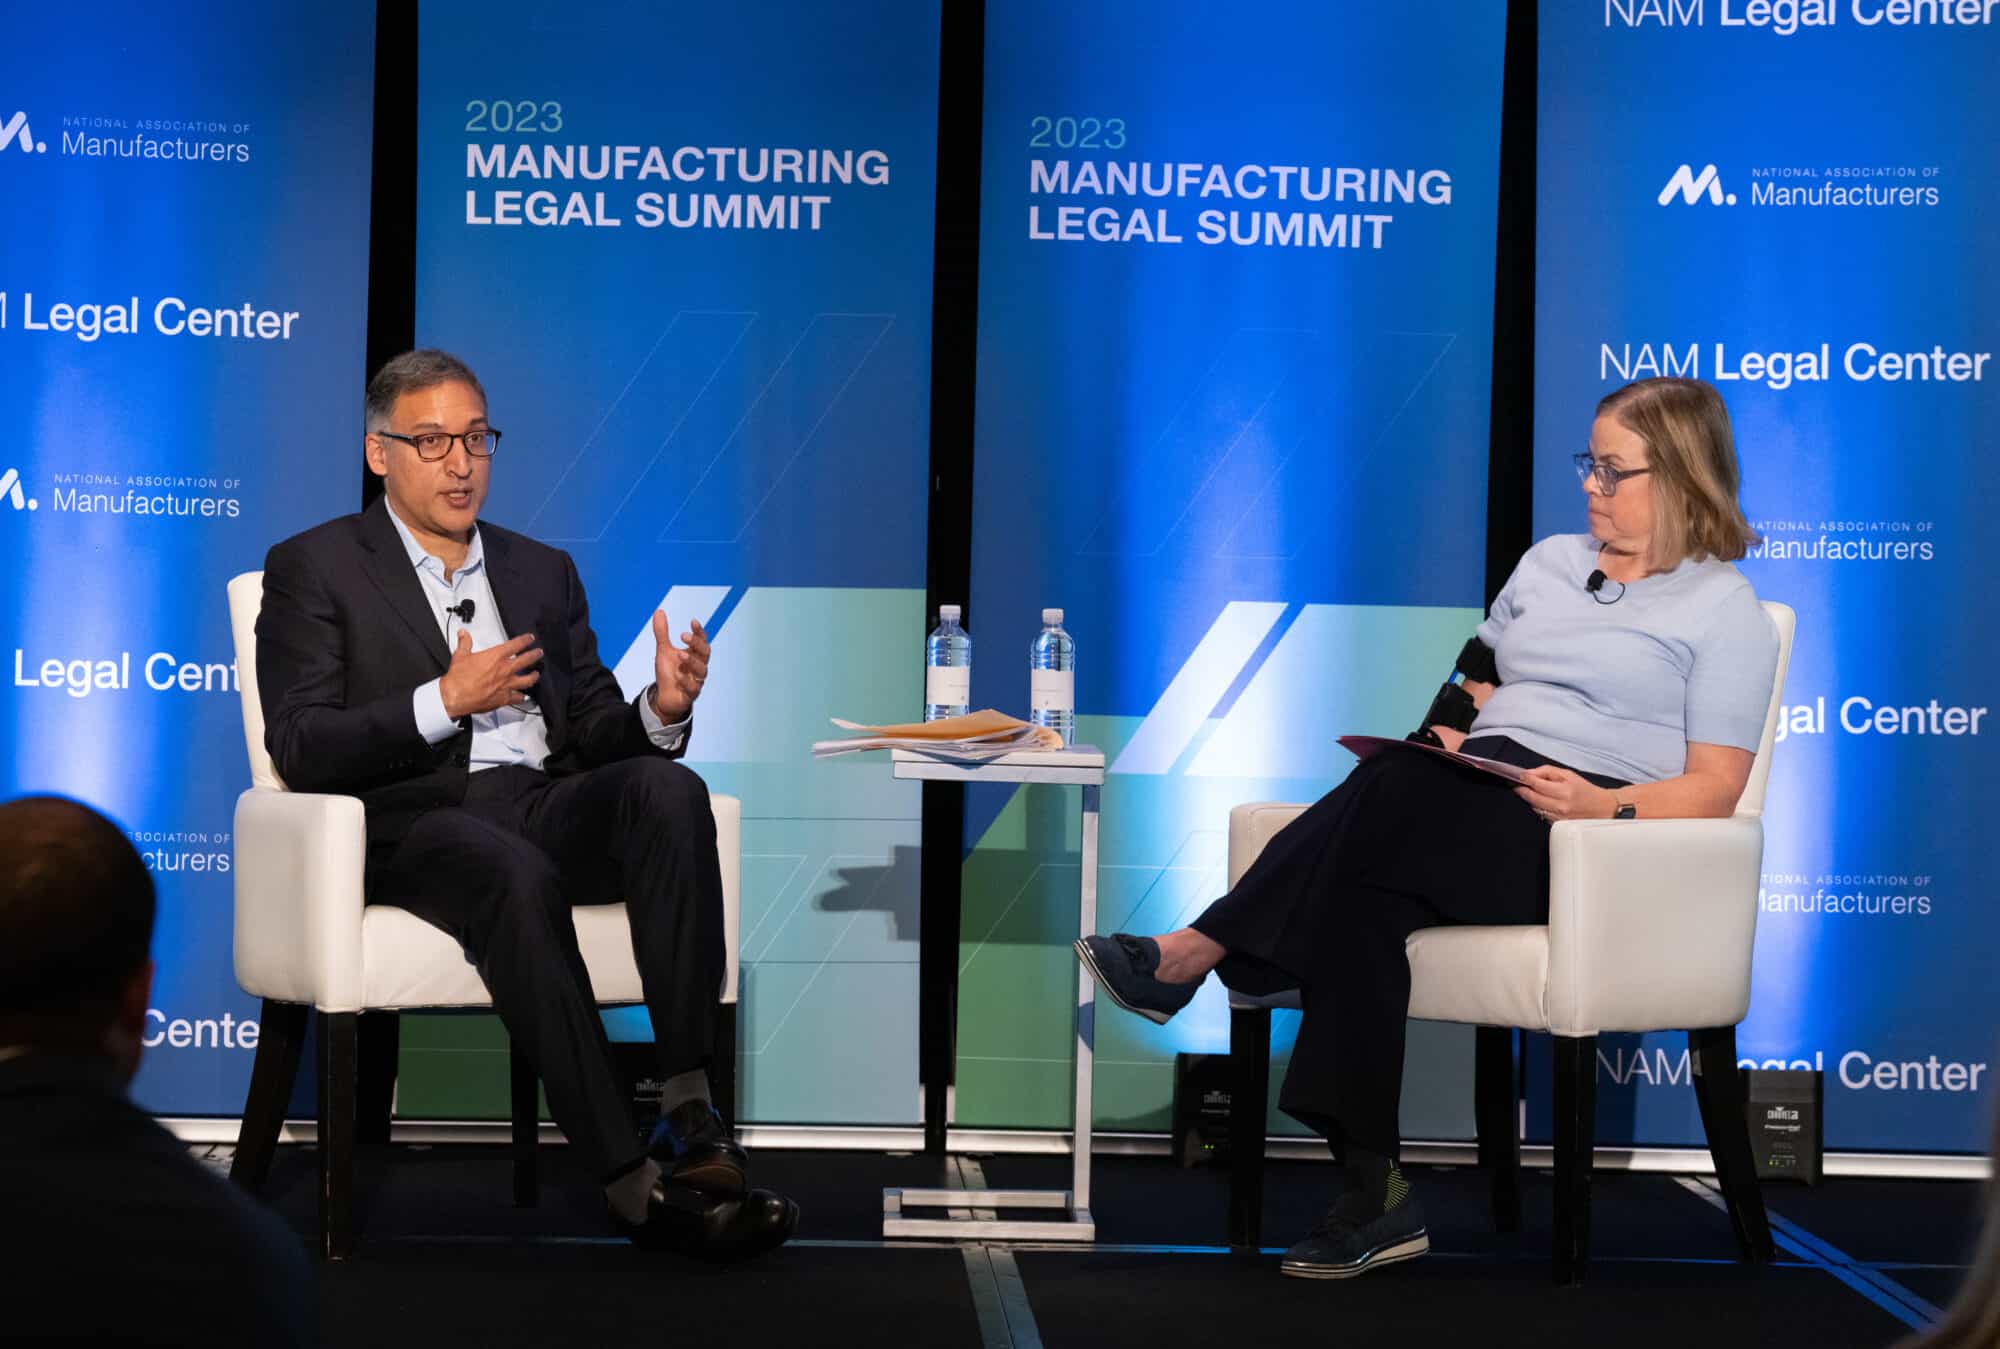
column 499, row 676
column 678, row 673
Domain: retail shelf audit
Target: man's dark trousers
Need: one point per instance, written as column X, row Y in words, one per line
column 500, row 872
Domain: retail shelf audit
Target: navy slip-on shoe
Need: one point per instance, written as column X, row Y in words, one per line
column 1124, row 966
column 1339, row 1248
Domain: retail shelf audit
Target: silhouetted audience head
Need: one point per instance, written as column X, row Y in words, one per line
column 114, row 1234
column 76, row 928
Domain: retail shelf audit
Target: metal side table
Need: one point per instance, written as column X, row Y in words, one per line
column 1077, row 766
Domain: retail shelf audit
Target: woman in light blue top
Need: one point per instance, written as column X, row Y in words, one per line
column 1628, row 670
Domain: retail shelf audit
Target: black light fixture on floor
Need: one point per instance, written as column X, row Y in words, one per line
column 1201, row 1109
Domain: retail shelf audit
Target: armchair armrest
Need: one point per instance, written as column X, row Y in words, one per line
column 1651, row 923
column 299, row 863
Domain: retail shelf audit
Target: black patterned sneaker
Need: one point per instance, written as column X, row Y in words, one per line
column 1124, row 965
column 1340, row 1248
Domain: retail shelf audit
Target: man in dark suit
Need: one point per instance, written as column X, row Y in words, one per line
column 444, row 671
column 110, row 1233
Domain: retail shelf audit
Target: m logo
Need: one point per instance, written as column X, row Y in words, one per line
column 17, row 127
column 1691, row 185
column 11, row 493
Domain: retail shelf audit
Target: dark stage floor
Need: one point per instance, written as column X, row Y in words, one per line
column 444, row 1259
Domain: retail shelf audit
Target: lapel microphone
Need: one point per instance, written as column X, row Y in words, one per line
column 1592, row 584
column 464, row 607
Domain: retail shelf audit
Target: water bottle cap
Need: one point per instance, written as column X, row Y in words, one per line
column 1051, row 618
column 948, row 612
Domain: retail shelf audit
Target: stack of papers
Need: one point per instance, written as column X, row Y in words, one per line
column 976, row 737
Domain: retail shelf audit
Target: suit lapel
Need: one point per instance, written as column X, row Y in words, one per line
column 388, row 566
column 510, row 592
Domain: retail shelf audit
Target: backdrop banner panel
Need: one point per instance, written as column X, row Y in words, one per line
column 1798, row 204
column 688, row 251
column 1235, row 337
column 183, row 268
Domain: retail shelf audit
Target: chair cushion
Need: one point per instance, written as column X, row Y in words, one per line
column 604, row 935
column 408, row 963
column 1493, row 976
column 1283, row 998
column 1489, row 976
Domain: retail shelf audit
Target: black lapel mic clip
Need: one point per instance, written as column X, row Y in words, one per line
column 464, row 608
column 1592, row 584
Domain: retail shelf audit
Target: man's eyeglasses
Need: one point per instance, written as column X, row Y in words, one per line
column 1608, row 478
column 432, row 446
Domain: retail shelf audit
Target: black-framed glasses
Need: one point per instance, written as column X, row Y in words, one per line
column 1608, row 478
column 432, row 446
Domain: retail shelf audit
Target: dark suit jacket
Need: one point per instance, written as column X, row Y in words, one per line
column 347, row 633
column 110, row 1233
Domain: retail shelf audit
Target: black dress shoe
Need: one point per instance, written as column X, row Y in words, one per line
column 694, row 1146
column 688, row 1222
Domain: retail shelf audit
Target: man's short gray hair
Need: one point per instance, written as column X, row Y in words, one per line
column 424, row 368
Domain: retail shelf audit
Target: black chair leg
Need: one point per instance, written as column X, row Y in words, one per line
column 337, row 1058
column 1496, row 1108
column 1250, row 1080
column 526, row 1113
column 1718, row 1089
column 1575, row 1140
column 722, row 1064
column 380, row 1046
column 281, row 1040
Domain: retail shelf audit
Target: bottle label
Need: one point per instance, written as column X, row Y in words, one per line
column 1052, row 690
column 947, row 685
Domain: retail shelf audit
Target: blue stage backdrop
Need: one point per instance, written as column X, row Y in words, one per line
column 1234, row 362
column 183, row 265
column 688, row 250
column 1798, row 203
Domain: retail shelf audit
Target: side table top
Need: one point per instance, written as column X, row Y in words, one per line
column 1075, row 765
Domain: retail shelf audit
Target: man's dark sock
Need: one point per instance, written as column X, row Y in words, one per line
column 1372, row 1183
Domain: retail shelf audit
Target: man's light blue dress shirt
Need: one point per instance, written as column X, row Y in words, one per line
column 506, row 735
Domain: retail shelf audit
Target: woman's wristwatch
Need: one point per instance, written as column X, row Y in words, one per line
column 1623, row 810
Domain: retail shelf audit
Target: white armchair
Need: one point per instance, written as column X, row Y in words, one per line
column 305, row 940
column 1651, row 927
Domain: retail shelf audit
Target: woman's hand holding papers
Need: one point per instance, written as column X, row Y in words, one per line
column 1558, row 794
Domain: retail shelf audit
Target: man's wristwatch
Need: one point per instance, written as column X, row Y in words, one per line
column 1625, row 810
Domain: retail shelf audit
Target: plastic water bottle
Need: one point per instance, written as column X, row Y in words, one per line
column 1052, row 678
column 947, row 667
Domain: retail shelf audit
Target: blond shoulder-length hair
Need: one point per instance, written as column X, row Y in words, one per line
column 1692, row 454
